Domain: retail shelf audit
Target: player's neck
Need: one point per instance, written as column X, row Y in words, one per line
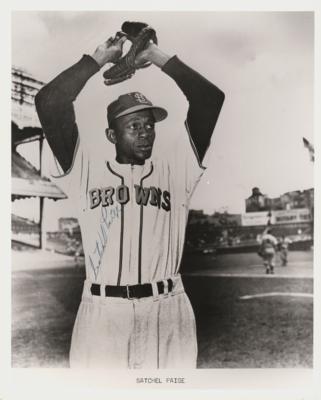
column 125, row 160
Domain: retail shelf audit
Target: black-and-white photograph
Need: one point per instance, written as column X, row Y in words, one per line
column 162, row 190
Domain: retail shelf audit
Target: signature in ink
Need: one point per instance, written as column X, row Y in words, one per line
column 108, row 216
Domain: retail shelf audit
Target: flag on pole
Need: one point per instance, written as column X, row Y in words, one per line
column 269, row 223
column 310, row 147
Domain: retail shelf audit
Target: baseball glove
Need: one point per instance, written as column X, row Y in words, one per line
column 140, row 34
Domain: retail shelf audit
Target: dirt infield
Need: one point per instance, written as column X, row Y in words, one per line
column 233, row 332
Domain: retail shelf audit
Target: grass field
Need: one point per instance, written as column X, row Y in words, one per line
column 268, row 332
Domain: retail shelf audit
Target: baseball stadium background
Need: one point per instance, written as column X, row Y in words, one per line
column 245, row 318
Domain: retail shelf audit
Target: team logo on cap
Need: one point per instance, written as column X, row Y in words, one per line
column 141, row 98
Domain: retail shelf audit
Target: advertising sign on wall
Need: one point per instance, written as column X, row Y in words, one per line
column 278, row 217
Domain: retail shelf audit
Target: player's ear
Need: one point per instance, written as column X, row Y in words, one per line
column 111, row 135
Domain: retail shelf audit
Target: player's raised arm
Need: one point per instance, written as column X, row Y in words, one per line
column 54, row 102
column 205, row 99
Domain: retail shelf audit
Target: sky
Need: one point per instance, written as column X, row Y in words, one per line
column 263, row 61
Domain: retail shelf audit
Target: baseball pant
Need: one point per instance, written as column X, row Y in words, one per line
column 284, row 256
column 151, row 332
column 269, row 260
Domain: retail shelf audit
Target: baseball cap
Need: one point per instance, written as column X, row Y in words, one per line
column 131, row 102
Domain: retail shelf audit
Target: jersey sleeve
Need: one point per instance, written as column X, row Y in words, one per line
column 188, row 167
column 73, row 181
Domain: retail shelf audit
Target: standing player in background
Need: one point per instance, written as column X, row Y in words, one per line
column 132, row 211
column 283, row 246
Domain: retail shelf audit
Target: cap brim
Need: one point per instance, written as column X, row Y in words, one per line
column 158, row 112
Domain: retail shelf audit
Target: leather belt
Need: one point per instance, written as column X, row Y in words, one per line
column 130, row 291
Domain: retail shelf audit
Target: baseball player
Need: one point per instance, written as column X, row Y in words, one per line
column 268, row 250
column 283, row 246
column 132, row 210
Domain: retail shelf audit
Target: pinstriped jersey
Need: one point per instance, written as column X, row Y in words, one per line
column 132, row 217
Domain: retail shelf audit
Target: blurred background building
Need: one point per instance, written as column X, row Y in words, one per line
column 28, row 182
column 287, row 201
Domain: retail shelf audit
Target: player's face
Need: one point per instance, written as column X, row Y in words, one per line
column 134, row 137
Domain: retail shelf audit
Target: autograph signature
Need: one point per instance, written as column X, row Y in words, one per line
column 108, row 216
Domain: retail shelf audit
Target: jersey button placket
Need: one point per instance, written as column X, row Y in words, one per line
column 131, row 221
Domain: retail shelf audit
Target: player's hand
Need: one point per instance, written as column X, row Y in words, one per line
column 152, row 54
column 145, row 55
column 109, row 51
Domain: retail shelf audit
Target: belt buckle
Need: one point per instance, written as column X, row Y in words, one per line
column 128, row 293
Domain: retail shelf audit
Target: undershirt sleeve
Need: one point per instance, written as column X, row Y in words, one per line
column 205, row 103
